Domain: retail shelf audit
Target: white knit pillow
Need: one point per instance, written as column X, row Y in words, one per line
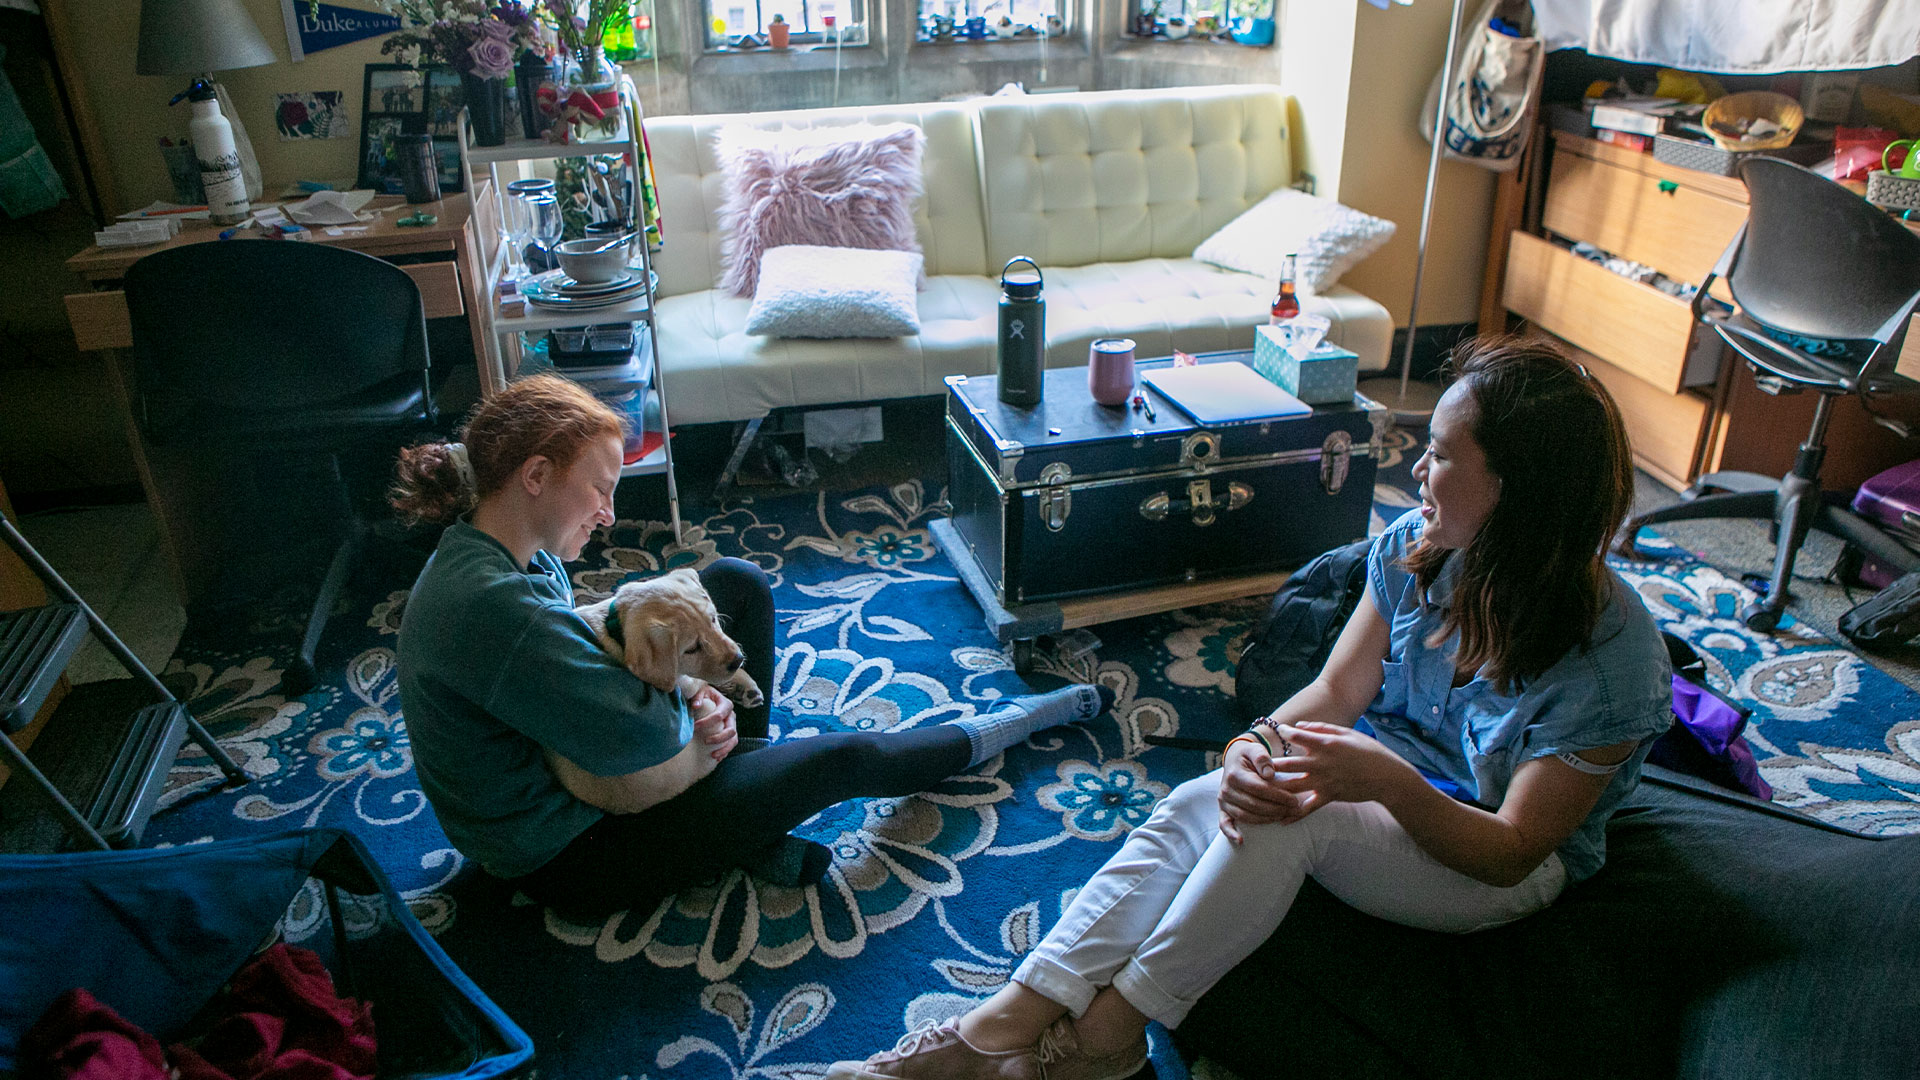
column 1329, row 239
column 834, row 292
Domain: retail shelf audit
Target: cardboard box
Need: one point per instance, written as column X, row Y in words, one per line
column 1328, row 376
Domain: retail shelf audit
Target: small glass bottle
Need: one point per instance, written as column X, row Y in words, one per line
column 1286, row 304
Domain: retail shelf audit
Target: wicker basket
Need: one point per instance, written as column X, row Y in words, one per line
column 1708, row 158
column 1888, row 189
column 1727, row 112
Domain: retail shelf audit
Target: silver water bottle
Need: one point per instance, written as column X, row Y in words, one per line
column 1023, row 333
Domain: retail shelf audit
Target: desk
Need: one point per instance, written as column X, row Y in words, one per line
column 443, row 258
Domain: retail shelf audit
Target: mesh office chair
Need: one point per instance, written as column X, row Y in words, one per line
column 227, row 355
column 1823, row 284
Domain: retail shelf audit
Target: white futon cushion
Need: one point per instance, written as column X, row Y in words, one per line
column 834, row 292
column 1329, row 239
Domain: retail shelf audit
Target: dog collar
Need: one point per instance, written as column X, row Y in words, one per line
column 613, row 626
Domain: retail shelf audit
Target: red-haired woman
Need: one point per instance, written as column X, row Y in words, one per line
column 496, row 670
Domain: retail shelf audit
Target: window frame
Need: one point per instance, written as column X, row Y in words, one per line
column 1158, row 9
column 853, row 33
column 924, row 15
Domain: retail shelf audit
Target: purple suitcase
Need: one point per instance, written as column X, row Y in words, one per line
column 1890, row 500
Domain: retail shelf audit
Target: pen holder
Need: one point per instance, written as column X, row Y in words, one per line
column 184, row 171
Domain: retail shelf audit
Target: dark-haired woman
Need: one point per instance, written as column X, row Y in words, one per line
column 496, row 669
column 1495, row 651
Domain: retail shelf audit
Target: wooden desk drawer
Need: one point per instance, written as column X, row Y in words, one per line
column 1680, row 233
column 1666, row 429
column 100, row 319
column 1634, row 327
column 439, row 288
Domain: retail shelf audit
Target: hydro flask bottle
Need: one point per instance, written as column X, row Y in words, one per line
column 1023, row 333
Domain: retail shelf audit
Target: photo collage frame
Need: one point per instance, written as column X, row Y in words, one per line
column 401, row 100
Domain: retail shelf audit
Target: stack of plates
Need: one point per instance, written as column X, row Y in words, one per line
column 554, row 289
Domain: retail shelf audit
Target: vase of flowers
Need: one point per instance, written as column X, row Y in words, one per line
column 581, row 27
column 478, row 40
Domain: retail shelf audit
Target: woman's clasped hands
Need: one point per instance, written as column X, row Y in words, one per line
column 713, row 723
column 1320, row 763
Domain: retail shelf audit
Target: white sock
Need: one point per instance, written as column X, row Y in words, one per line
column 1011, row 721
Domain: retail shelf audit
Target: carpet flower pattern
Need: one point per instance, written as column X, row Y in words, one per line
column 931, row 901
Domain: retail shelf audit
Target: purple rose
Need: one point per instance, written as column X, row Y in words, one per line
column 495, row 29
column 492, row 58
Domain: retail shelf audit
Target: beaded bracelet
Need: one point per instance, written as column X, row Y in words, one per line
column 1286, row 748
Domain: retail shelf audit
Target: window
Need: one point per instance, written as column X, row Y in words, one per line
column 1021, row 16
column 729, row 20
column 1155, row 18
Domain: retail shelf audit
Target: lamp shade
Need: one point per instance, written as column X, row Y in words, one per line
column 189, row 37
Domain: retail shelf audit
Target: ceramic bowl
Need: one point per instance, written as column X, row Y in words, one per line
column 595, row 268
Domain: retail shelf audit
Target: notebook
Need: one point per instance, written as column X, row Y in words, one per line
column 1229, row 392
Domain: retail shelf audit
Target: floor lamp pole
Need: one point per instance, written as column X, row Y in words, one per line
column 1414, row 404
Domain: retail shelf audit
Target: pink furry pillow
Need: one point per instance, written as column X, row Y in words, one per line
column 849, row 187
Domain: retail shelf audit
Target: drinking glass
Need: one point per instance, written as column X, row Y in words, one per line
column 543, row 211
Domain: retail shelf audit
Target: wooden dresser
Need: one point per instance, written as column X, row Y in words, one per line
column 1688, row 408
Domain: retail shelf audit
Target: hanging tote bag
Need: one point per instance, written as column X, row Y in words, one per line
column 1492, row 102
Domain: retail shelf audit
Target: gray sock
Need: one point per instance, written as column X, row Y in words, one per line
column 1011, row 721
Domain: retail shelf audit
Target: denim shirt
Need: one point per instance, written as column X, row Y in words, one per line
column 1617, row 688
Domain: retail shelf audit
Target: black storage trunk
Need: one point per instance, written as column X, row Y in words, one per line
column 1073, row 498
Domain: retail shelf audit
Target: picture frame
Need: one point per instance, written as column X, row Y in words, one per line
column 401, row 100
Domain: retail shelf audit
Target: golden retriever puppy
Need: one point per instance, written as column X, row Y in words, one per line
column 666, row 631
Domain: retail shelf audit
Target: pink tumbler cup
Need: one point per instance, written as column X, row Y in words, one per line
column 1110, row 370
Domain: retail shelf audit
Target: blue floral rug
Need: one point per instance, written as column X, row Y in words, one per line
column 933, row 899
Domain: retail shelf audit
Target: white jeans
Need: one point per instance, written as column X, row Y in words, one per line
column 1178, row 905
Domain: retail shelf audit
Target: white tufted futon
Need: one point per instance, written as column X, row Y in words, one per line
column 1110, row 192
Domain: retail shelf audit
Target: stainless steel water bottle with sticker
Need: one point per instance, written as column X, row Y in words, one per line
column 1023, row 333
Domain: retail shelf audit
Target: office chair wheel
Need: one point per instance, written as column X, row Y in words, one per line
column 1759, row 618
column 297, row 679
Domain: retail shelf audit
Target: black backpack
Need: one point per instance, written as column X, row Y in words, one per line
column 1291, row 642
column 1890, row 617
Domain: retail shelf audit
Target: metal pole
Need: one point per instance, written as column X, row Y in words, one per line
column 1426, row 203
column 1407, row 406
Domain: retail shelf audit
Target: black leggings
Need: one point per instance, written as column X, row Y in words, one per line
column 750, row 800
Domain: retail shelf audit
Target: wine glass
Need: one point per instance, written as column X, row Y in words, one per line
column 519, row 220
column 519, row 229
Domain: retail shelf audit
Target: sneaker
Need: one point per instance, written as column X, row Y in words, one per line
column 1062, row 1059
column 938, row 1052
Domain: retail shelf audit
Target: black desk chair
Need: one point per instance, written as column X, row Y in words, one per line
column 1823, row 284
column 281, row 348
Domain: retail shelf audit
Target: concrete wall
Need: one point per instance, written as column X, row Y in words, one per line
column 1359, row 75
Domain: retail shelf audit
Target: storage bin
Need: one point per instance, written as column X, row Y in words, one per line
column 1707, row 158
column 155, row 934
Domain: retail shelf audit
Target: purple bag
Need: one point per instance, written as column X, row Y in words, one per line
column 1705, row 741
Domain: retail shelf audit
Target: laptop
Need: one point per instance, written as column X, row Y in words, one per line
column 1228, row 392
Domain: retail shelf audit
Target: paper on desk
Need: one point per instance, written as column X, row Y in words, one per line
column 161, row 206
column 329, row 207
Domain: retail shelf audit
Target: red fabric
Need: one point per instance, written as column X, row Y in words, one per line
column 285, row 1023
column 82, row 1039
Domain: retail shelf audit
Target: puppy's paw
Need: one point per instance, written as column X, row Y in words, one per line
column 744, row 691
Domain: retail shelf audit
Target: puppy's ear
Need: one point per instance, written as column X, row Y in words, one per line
column 687, row 576
column 653, row 651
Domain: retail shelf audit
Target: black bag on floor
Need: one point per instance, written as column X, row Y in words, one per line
column 1291, row 642
column 1890, row 617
